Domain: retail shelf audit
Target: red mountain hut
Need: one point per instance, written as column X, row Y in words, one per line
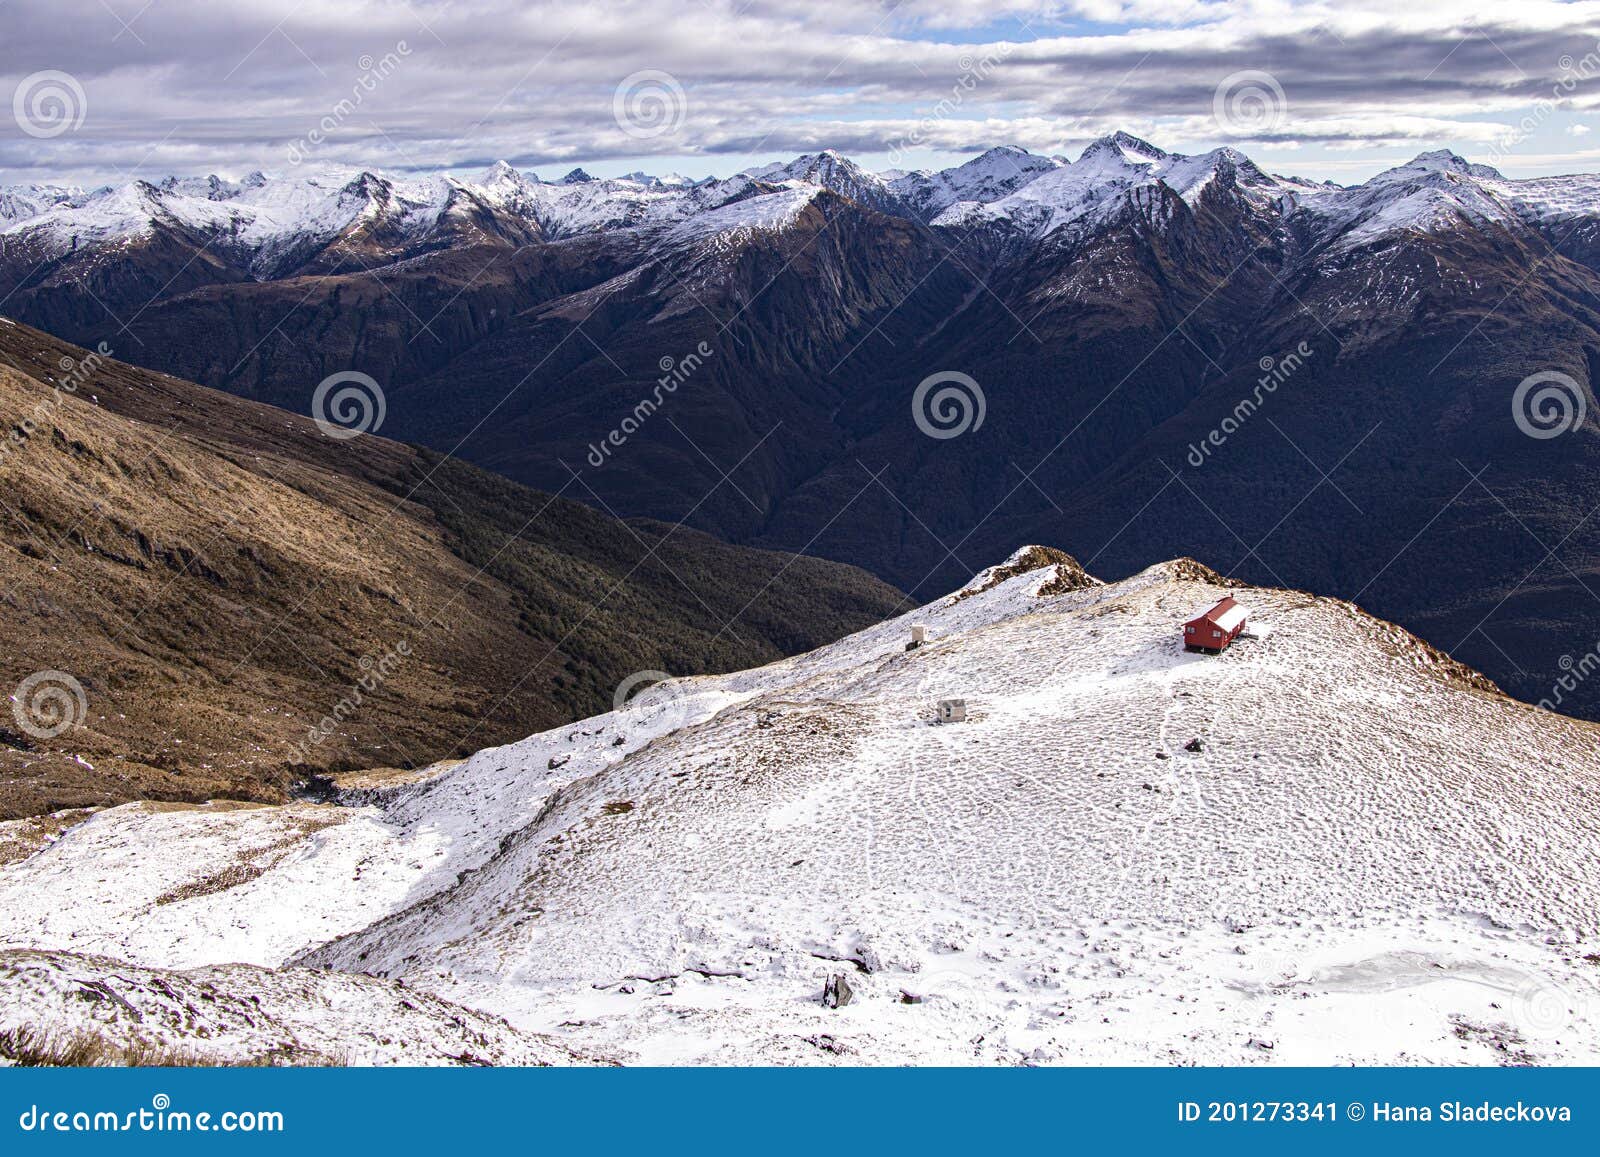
column 1214, row 630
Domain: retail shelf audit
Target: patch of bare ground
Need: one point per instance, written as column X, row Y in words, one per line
column 255, row 863
column 376, row 778
column 1502, row 1039
column 1191, row 570
column 19, row 839
column 1069, row 575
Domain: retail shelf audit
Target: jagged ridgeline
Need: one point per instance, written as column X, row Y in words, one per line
column 1130, row 314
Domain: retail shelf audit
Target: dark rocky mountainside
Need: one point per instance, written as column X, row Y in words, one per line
column 1301, row 384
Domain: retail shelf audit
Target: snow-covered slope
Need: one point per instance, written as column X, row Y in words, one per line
column 1551, row 200
column 569, row 208
column 988, row 177
column 20, row 202
column 768, row 211
column 125, row 213
column 1432, row 193
column 1328, row 844
column 838, row 174
column 257, row 219
column 57, row 1003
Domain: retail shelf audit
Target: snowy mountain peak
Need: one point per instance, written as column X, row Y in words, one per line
column 1005, row 159
column 1116, row 176
column 265, row 221
column 210, row 188
column 1436, row 192
column 503, row 180
column 986, row 178
column 1443, row 160
column 363, row 188
column 815, row 168
column 837, row 174
column 1124, row 147
column 1065, row 573
column 501, row 173
column 20, row 202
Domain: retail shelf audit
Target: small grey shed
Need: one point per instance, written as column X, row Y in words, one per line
column 952, row 710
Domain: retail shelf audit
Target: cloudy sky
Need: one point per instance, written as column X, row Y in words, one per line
column 106, row 90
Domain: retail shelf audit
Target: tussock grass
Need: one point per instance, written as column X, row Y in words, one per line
column 30, row 1046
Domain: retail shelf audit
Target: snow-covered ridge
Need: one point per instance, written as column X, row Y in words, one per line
column 1120, row 175
column 266, row 217
column 262, row 218
column 20, row 202
column 984, row 179
column 769, row 212
column 1326, row 845
column 829, row 170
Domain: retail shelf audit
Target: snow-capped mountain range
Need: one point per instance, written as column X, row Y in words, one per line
column 1324, row 846
column 266, row 217
column 1115, row 309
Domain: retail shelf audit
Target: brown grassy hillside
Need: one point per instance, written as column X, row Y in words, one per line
column 218, row 576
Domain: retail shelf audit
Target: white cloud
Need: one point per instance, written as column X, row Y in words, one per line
column 195, row 85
